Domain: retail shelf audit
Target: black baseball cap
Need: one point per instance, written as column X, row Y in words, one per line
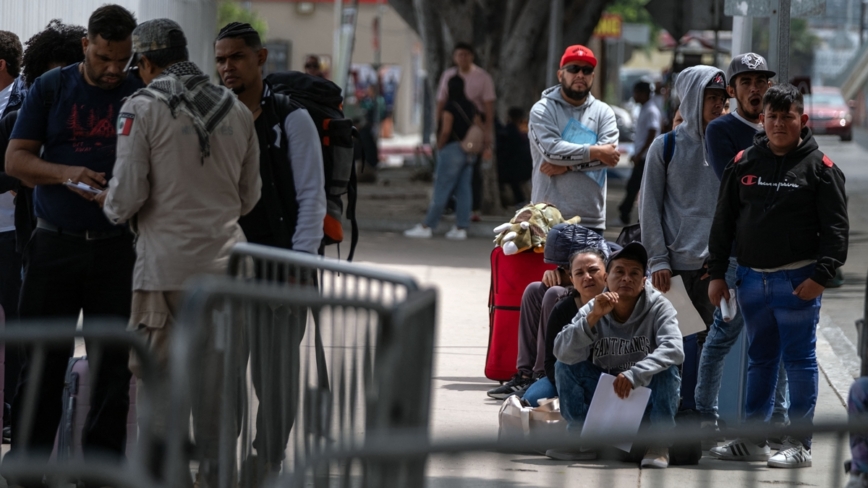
column 634, row 251
column 718, row 82
column 748, row 63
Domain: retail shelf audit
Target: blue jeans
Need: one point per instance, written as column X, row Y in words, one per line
column 721, row 337
column 857, row 407
column 454, row 174
column 577, row 382
column 780, row 326
column 541, row 388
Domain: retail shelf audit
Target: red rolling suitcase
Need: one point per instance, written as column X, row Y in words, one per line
column 510, row 275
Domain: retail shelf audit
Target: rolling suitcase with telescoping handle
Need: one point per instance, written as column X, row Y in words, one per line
column 510, row 275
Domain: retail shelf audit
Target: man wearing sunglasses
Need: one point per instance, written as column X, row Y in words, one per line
column 573, row 137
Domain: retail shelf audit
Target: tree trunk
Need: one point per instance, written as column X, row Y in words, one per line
column 510, row 38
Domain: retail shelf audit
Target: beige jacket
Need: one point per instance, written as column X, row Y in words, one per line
column 183, row 210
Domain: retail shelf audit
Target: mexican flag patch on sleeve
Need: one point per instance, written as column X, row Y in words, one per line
column 125, row 123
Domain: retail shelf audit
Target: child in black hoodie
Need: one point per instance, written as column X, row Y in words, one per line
column 782, row 202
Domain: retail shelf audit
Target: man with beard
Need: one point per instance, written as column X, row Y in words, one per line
column 293, row 205
column 289, row 215
column 76, row 259
column 573, row 137
column 748, row 76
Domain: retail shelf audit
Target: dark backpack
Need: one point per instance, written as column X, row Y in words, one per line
column 323, row 101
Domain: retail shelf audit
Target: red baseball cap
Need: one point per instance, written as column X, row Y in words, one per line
column 578, row 53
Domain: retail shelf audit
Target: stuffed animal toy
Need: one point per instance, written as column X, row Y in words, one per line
column 529, row 228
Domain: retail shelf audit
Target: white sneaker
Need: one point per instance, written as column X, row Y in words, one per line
column 656, row 457
column 418, row 232
column 741, row 450
column 792, row 455
column 456, row 234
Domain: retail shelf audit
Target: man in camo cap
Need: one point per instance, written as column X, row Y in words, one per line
column 187, row 171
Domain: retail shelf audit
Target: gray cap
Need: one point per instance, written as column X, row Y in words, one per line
column 154, row 35
column 748, row 63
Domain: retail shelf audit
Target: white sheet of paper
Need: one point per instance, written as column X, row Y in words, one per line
column 689, row 320
column 608, row 413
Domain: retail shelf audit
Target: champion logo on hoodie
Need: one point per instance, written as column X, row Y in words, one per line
column 751, row 180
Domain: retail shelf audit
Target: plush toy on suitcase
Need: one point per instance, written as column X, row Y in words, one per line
column 76, row 405
column 510, row 275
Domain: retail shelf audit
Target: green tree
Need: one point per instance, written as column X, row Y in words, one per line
column 230, row 11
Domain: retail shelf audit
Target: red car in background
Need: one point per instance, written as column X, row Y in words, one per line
column 828, row 113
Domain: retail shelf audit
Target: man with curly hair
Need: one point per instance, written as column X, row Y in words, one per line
column 57, row 46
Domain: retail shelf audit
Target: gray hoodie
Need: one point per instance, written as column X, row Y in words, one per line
column 582, row 190
column 677, row 204
column 646, row 344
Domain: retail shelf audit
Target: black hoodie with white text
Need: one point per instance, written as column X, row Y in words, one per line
column 781, row 210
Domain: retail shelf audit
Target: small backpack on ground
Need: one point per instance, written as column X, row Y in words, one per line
column 323, row 101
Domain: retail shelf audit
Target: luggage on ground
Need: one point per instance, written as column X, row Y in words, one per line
column 510, row 275
column 76, row 405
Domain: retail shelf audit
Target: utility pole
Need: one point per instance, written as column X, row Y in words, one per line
column 742, row 38
column 779, row 39
column 336, row 38
column 556, row 25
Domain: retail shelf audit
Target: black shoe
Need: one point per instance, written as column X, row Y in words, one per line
column 7, row 434
column 516, row 386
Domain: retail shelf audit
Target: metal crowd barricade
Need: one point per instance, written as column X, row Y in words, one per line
column 24, row 468
column 275, row 370
column 336, row 279
column 480, row 461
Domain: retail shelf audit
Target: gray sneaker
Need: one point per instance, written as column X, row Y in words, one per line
column 792, row 455
column 741, row 450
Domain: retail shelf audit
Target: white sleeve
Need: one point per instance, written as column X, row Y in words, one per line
column 305, row 156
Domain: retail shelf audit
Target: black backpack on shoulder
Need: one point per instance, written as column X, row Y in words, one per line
column 324, row 103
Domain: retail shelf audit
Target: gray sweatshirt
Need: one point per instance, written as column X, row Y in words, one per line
column 676, row 204
column 582, row 190
column 646, row 344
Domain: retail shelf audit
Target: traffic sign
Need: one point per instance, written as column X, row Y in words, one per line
column 609, row 27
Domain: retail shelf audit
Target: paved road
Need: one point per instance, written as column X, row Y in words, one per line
column 842, row 306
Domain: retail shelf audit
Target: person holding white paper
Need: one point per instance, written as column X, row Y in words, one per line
column 629, row 331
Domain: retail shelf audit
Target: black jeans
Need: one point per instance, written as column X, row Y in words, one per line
column 634, row 184
column 10, row 288
column 62, row 276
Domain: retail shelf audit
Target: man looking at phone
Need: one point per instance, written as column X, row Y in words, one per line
column 76, row 260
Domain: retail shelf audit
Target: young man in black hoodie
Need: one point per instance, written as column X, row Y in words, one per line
column 782, row 202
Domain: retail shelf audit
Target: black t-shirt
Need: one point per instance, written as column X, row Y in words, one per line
column 462, row 117
column 562, row 314
column 79, row 129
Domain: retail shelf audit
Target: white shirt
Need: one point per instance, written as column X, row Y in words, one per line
column 648, row 120
column 7, row 201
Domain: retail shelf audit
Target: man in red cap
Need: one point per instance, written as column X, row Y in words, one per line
column 573, row 137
